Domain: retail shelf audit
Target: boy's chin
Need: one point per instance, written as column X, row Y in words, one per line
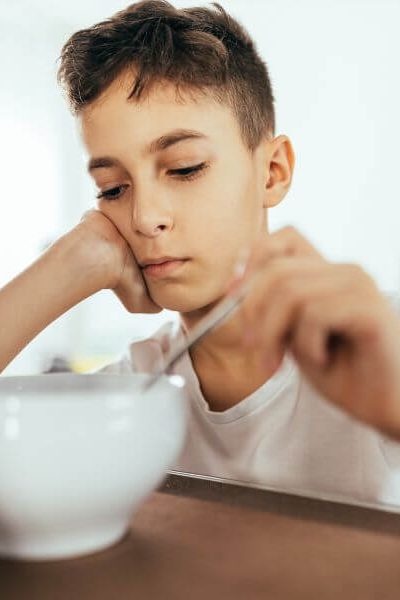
column 185, row 304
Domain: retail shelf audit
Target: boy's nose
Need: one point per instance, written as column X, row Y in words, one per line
column 151, row 218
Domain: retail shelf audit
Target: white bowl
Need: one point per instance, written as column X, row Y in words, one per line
column 78, row 453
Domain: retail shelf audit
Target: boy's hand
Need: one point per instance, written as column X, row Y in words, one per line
column 103, row 242
column 341, row 330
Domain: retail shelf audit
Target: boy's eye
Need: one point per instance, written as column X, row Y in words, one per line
column 189, row 173
column 113, row 193
column 186, row 174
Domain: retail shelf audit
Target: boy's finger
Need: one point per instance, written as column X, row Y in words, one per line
column 286, row 280
column 286, row 242
column 278, row 325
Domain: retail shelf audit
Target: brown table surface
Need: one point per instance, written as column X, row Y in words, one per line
column 195, row 538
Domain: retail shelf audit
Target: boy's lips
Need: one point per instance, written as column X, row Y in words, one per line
column 158, row 260
column 162, row 267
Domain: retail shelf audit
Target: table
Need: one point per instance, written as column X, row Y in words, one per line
column 194, row 538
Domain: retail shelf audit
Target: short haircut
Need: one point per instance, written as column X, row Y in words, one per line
column 198, row 49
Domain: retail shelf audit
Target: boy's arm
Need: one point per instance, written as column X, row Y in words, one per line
column 338, row 326
column 45, row 290
column 91, row 257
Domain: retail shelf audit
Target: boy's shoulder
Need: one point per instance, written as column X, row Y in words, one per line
column 144, row 354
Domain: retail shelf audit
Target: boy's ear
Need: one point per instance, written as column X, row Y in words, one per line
column 279, row 167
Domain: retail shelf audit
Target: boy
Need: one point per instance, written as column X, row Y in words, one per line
column 176, row 112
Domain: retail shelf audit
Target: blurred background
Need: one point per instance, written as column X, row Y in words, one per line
column 335, row 72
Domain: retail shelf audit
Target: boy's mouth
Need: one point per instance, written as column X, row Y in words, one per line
column 161, row 267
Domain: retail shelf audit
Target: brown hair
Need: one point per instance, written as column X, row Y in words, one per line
column 200, row 49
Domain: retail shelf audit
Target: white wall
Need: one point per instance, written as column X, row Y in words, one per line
column 334, row 68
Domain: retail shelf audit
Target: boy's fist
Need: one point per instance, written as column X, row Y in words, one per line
column 103, row 242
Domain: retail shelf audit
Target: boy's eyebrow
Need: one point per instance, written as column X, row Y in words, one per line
column 173, row 137
column 157, row 145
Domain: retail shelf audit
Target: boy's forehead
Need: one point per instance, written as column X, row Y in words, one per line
column 160, row 110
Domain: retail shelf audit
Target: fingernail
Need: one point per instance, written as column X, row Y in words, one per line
column 241, row 264
column 239, row 269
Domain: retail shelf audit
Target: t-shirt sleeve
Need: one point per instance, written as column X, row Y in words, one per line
column 143, row 355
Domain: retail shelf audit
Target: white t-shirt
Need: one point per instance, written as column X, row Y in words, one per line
column 284, row 435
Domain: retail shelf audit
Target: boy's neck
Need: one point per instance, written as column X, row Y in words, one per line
column 223, row 346
column 227, row 372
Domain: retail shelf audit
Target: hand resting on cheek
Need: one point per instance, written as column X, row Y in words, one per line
column 124, row 276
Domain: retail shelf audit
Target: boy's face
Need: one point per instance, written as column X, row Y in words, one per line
column 207, row 218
